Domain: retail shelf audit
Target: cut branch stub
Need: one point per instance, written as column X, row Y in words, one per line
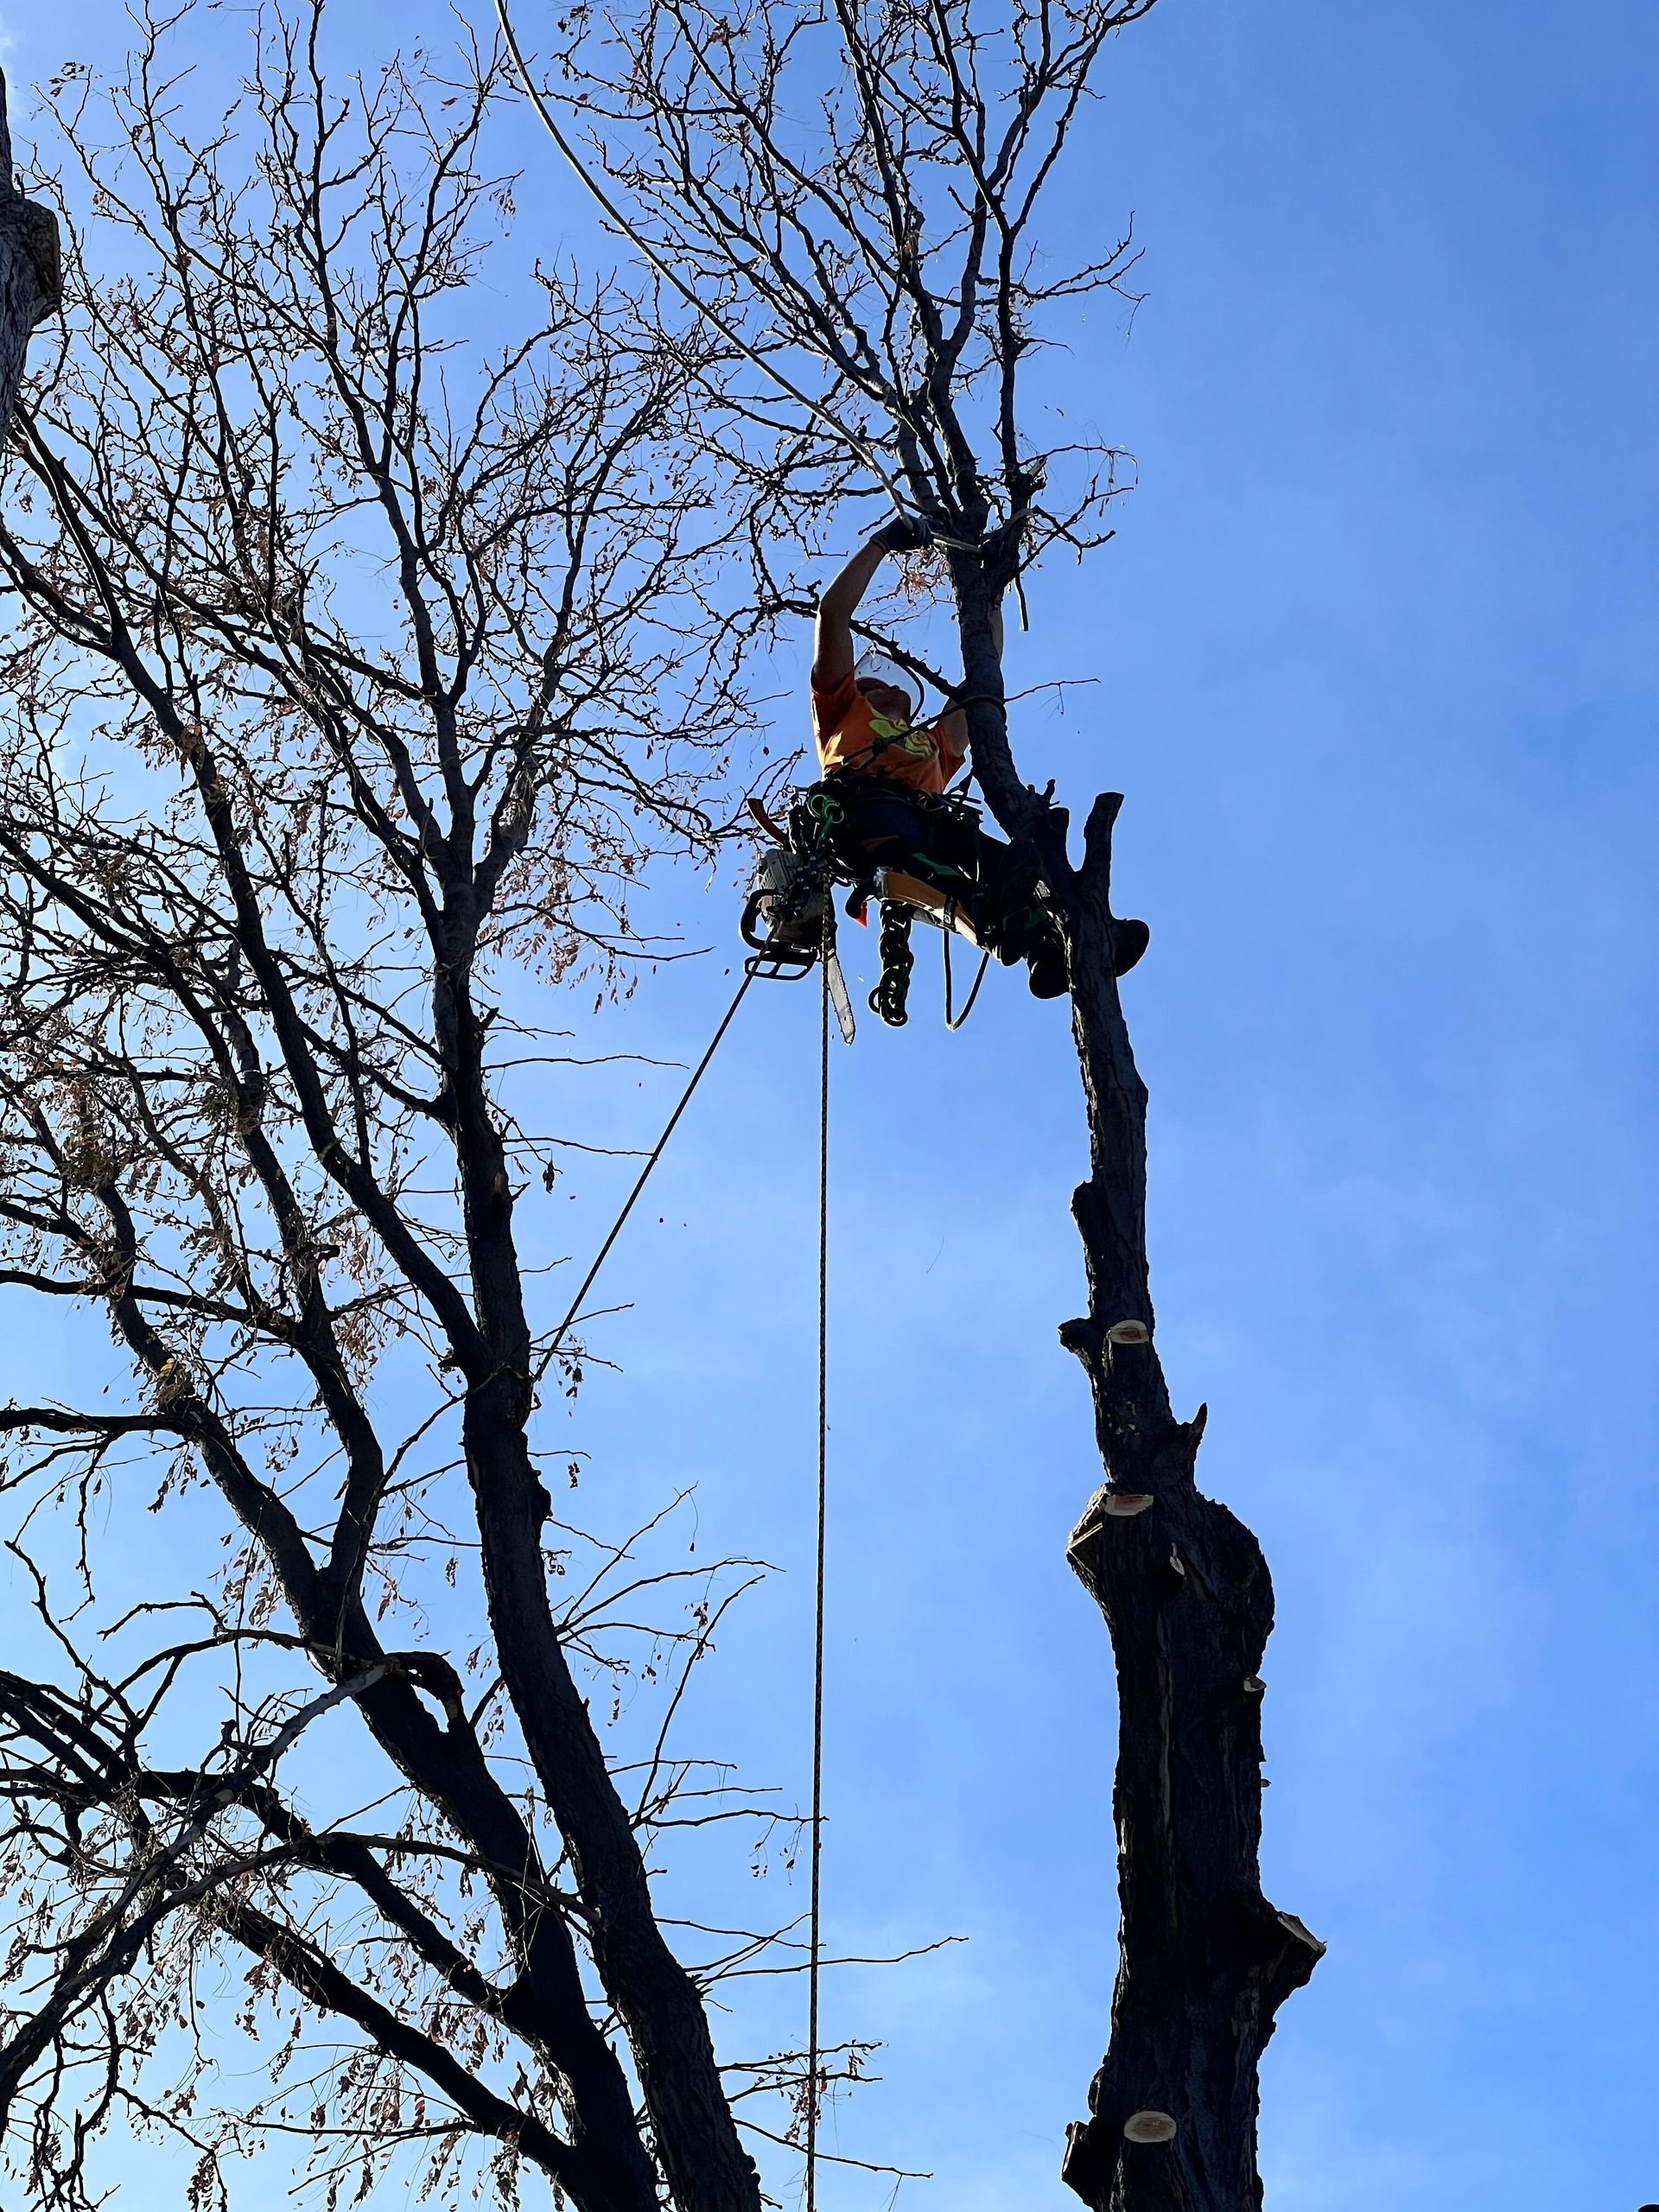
column 1302, row 1933
column 1205, row 1960
column 1149, row 2126
column 1107, row 1504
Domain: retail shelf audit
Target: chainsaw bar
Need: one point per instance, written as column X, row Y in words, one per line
column 836, row 984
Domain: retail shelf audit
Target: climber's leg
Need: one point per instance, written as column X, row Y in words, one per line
column 1018, row 925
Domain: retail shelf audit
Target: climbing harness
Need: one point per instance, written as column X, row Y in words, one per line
column 796, row 878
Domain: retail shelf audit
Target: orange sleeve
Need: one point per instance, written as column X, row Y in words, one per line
column 832, row 710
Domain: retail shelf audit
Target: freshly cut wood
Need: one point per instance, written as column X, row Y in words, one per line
column 1107, row 1504
column 1129, row 1333
column 1150, row 2126
column 1300, row 1929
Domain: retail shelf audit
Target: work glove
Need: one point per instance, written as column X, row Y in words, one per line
column 904, row 534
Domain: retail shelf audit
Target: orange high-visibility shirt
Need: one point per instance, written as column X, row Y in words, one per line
column 851, row 734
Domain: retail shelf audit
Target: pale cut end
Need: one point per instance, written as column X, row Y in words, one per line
column 1149, row 2126
column 1129, row 1333
column 1124, row 1504
column 1254, row 1686
column 1304, row 1934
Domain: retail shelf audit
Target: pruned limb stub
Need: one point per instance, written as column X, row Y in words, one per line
column 1150, row 2126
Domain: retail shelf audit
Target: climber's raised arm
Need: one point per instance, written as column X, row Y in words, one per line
column 833, row 650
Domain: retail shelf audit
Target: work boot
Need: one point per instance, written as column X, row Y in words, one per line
column 1130, row 941
column 1045, row 951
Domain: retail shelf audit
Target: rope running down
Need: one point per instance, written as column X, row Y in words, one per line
column 560, row 1333
column 816, row 1940
column 815, row 1937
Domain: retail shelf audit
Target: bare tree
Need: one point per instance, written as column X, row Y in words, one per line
column 31, row 279
column 357, row 670
column 846, row 196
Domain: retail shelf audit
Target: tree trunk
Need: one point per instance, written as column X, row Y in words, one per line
column 31, row 281
column 1204, row 1960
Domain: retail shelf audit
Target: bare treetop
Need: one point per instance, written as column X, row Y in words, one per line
column 464, row 580
column 851, row 194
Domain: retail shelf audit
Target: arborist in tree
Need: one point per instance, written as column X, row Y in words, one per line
column 890, row 771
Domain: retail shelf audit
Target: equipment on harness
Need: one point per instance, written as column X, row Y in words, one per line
column 789, row 916
column 922, row 854
column 893, row 989
column 782, row 916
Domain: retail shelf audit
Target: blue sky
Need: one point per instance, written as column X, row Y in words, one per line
column 1373, row 662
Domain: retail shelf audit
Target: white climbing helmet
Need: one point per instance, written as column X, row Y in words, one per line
column 880, row 668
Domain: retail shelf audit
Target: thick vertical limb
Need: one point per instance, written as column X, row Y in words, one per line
column 30, row 278
column 1204, row 1960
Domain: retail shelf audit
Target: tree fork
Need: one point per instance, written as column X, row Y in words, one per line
column 1205, row 1960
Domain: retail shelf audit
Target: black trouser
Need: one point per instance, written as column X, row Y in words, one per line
column 944, row 846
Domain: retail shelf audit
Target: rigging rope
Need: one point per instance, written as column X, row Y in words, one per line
column 815, row 1938
column 559, row 1333
column 815, row 1934
column 984, row 963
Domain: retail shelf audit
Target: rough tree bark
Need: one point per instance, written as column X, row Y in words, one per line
column 31, row 281
column 1205, row 1960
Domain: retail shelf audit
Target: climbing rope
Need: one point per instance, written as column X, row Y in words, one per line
column 815, row 1940
column 815, row 1926
column 826, row 952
